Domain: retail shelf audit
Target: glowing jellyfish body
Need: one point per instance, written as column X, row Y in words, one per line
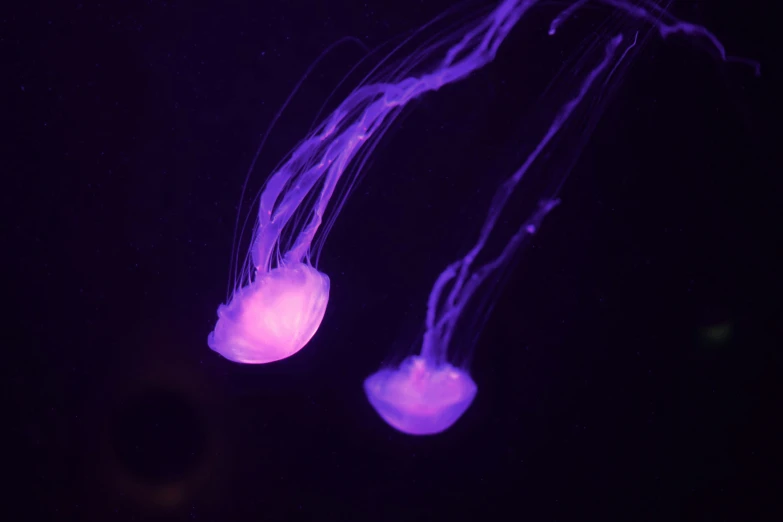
column 273, row 318
column 246, row 330
column 426, row 394
column 419, row 398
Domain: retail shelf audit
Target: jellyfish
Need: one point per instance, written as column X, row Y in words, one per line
column 279, row 298
column 426, row 393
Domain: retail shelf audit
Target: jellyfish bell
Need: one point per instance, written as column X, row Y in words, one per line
column 421, row 396
column 272, row 318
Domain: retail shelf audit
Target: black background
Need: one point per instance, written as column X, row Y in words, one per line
column 605, row 389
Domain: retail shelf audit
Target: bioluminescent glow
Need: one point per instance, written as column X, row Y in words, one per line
column 426, row 394
column 277, row 304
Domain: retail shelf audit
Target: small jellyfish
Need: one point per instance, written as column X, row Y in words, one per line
column 419, row 397
column 279, row 298
column 426, row 394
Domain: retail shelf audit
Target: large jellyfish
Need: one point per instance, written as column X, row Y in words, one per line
column 426, row 393
column 279, row 298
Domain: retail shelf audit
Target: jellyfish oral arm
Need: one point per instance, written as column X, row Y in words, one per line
column 329, row 151
column 441, row 320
